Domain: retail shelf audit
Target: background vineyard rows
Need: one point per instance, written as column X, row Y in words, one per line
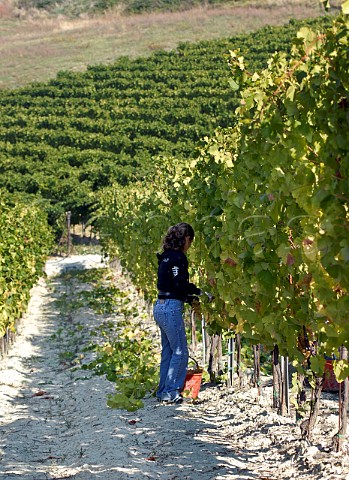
column 64, row 140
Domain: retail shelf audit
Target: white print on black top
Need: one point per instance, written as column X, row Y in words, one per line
column 175, row 271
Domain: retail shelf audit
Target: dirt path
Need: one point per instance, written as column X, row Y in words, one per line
column 55, row 423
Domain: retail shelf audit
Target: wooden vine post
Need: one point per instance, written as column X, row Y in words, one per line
column 205, row 341
column 231, row 354
column 277, row 380
column 257, row 367
column 238, row 359
column 215, row 357
column 194, row 340
column 68, row 230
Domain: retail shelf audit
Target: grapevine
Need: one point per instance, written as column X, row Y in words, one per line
column 25, row 241
column 268, row 198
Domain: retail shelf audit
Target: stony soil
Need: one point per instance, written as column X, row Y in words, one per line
column 55, row 423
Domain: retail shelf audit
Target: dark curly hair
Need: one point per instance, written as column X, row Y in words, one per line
column 176, row 235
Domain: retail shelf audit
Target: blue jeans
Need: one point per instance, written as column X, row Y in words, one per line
column 168, row 315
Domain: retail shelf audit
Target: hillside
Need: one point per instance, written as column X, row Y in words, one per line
column 36, row 44
column 66, row 139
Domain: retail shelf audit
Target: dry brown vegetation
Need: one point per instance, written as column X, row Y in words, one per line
column 36, row 47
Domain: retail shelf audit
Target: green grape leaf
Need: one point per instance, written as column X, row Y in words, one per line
column 317, row 364
column 283, row 252
column 234, row 85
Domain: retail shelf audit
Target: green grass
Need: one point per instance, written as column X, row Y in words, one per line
column 35, row 49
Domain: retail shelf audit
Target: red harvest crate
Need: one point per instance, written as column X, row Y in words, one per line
column 192, row 383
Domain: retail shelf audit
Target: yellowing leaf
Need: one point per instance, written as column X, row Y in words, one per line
column 108, row 349
column 345, row 7
column 255, row 76
column 341, row 369
column 290, row 92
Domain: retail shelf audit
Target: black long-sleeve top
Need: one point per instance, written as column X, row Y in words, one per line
column 173, row 276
